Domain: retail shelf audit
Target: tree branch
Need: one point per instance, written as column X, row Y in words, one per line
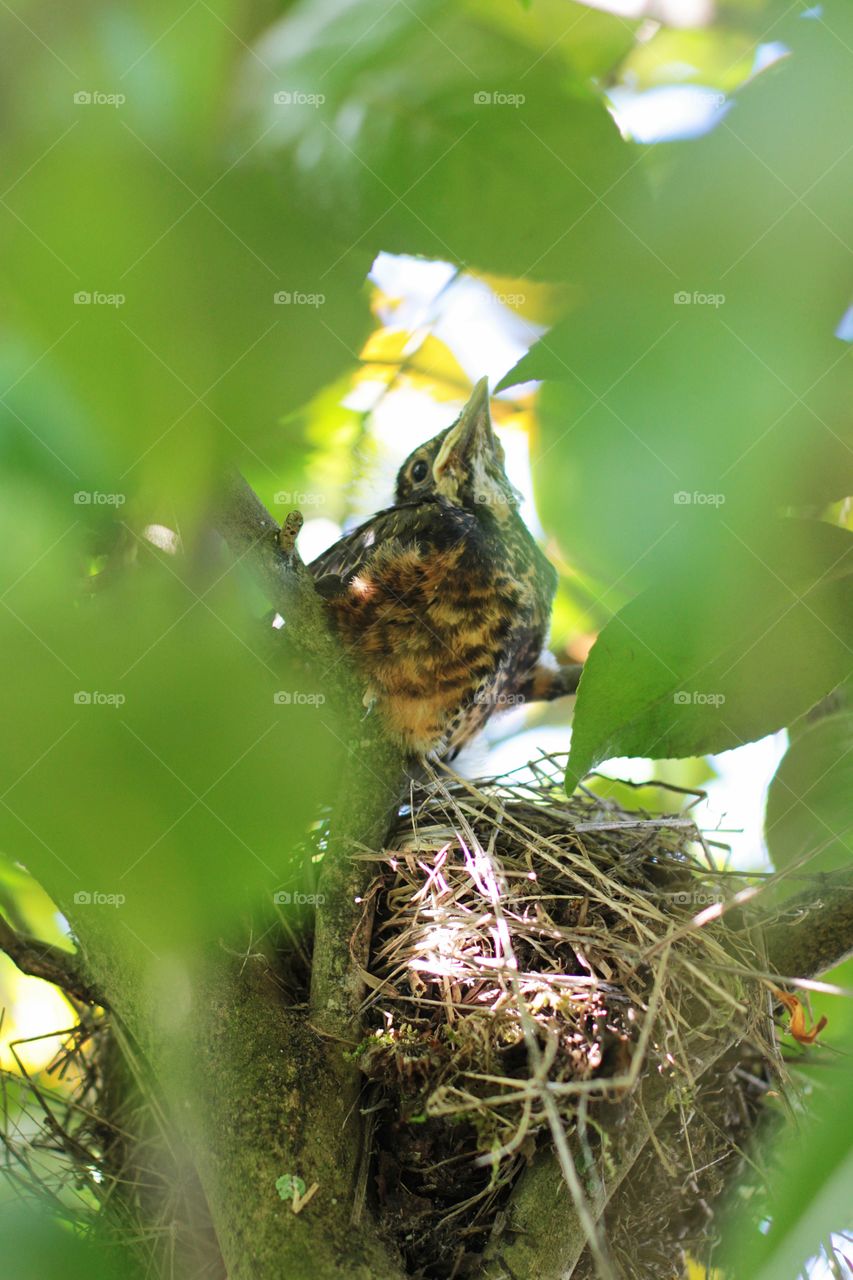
column 374, row 772
column 261, row 1099
column 272, row 1098
column 366, row 805
column 270, row 554
column 43, row 960
column 368, row 796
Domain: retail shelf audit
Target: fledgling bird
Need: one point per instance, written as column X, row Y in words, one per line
column 444, row 599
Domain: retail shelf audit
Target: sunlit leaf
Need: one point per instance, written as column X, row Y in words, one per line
column 671, row 676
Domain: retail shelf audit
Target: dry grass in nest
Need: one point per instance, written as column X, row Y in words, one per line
column 532, row 956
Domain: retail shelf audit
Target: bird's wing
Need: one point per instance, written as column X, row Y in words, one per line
column 349, row 554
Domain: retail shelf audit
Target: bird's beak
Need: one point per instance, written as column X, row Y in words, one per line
column 471, row 435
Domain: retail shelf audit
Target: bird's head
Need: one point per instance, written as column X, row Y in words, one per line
column 463, row 464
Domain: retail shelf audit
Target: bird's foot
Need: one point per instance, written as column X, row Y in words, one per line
column 289, row 531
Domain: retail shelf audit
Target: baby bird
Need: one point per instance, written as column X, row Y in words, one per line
column 444, row 599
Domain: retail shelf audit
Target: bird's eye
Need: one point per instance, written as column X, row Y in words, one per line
column 420, row 471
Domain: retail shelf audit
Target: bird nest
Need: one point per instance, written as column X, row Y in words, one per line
column 532, row 958
column 535, row 959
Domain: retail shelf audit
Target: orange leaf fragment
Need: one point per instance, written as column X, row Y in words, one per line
column 797, row 1014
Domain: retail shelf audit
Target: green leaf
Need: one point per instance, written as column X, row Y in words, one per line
column 289, row 1185
column 735, row 647
column 738, row 392
column 37, row 1245
column 441, row 130
column 152, row 770
column 809, row 1186
column 185, row 230
column 808, row 801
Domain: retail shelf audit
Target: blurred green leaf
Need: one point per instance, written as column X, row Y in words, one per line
column 699, row 361
column 591, row 43
column 39, row 1247
column 809, row 800
column 809, row 1186
column 720, row 654
column 143, row 251
column 424, row 128
column 153, row 761
column 720, row 55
